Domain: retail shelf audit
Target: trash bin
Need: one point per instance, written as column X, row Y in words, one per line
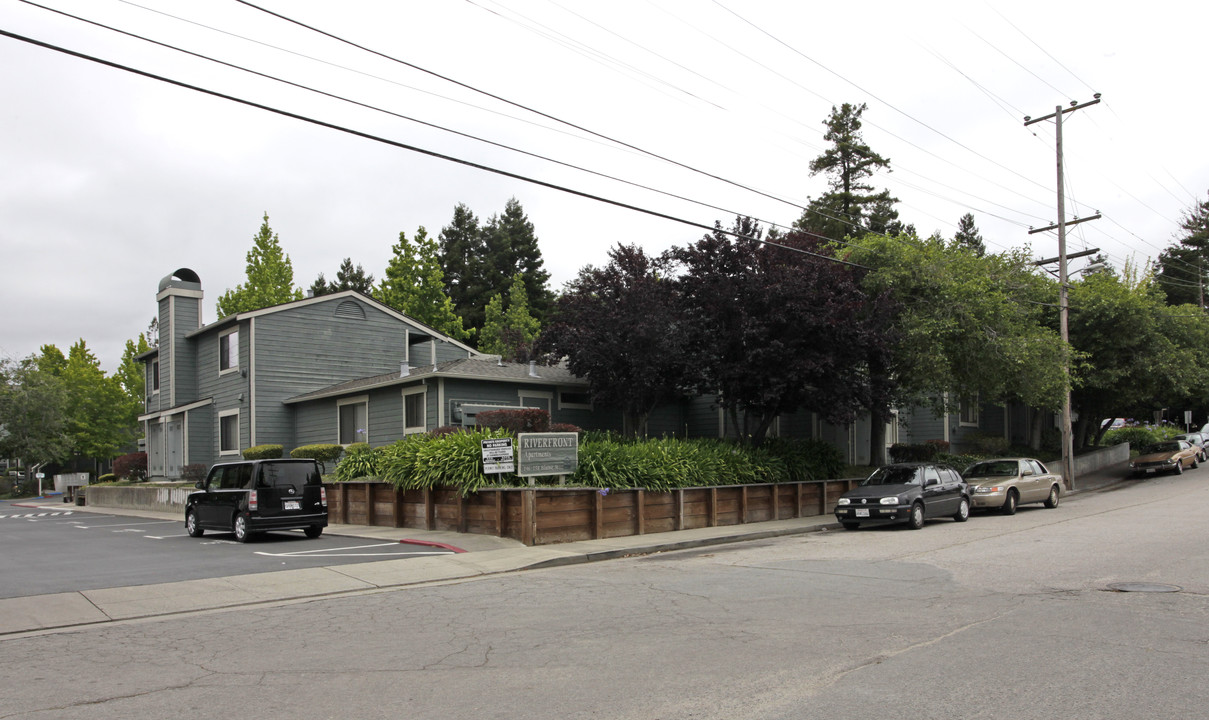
column 80, row 497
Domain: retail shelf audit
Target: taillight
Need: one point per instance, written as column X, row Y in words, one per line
column 252, row 502
column 323, row 496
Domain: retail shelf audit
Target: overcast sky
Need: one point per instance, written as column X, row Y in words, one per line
column 109, row 181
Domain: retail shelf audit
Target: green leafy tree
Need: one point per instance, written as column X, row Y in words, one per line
column 512, row 331
column 97, row 416
column 966, row 325
column 270, row 277
column 968, row 235
column 33, row 402
column 414, row 285
column 851, row 206
column 130, row 376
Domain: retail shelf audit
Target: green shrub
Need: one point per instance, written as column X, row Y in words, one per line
column 520, row 420
column 323, row 453
column 360, row 460
column 1135, row 436
column 808, row 459
column 107, row 478
column 454, row 460
column 263, row 452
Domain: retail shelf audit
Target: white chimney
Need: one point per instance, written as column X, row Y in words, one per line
column 533, row 368
column 404, row 370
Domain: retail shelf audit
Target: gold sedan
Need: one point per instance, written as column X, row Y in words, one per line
column 1005, row 483
column 1166, row 456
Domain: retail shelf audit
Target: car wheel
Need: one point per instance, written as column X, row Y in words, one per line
column 916, row 520
column 1196, row 462
column 313, row 531
column 1052, row 501
column 191, row 525
column 240, row 527
column 963, row 511
column 1179, row 467
column 1010, row 504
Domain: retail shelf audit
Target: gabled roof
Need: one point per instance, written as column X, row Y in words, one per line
column 342, row 295
column 488, row 369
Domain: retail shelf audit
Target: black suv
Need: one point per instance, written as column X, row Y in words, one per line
column 258, row 495
column 905, row 492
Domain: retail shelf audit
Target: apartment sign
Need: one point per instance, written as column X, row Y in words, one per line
column 547, row 453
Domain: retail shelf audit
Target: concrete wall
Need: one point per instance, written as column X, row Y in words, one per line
column 1096, row 459
column 162, row 499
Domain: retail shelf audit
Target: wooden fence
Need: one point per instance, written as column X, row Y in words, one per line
column 542, row 516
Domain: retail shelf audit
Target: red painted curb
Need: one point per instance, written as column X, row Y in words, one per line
column 430, row 543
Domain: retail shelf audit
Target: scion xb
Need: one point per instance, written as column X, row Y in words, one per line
column 253, row 496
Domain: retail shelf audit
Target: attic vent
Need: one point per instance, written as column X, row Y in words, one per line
column 350, row 310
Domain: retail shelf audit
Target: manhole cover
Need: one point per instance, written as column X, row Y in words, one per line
column 1143, row 587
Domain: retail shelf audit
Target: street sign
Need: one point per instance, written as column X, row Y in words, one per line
column 547, row 453
column 497, row 456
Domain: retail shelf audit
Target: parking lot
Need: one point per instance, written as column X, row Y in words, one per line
column 53, row 549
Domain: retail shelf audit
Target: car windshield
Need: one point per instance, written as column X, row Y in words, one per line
column 991, row 469
column 895, row 475
column 1163, row 447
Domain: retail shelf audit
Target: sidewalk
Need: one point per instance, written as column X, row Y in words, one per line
column 476, row 555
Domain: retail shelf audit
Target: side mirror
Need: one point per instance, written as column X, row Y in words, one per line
column 930, row 482
column 200, row 484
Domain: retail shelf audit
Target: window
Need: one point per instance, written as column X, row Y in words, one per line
column 968, row 412
column 354, row 420
column 536, row 399
column 228, row 432
column 155, row 376
column 574, row 400
column 228, row 351
column 415, row 411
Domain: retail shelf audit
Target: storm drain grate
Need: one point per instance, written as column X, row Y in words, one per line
column 1143, row 587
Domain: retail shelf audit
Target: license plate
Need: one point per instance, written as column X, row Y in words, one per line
column 862, row 512
column 293, row 505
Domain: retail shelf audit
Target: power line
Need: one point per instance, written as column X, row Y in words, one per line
column 416, row 149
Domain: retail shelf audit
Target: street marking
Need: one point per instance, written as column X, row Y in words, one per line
column 130, row 524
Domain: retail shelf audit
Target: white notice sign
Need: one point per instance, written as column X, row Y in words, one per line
column 497, row 456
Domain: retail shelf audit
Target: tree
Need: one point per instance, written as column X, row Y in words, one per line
column 480, row 261
column 968, row 235
column 966, row 326
column 320, row 287
column 774, row 330
column 270, row 277
column 851, row 204
column 461, row 253
column 414, row 285
column 511, row 248
column 1181, row 268
column 97, row 411
column 512, row 332
column 32, row 410
column 619, row 329
column 350, row 278
column 130, row 377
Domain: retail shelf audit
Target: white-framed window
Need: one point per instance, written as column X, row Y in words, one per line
column 415, row 411
column 574, row 399
column 155, row 376
column 353, row 420
column 967, row 415
column 228, row 432
column 228, row 351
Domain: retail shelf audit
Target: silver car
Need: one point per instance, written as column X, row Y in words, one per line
column 1006, row 483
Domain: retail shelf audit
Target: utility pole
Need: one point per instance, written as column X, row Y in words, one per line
column 1068, row 445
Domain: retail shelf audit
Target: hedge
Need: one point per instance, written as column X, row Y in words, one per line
column 263, row 452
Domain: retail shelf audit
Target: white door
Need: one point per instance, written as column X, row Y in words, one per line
column 174, row 447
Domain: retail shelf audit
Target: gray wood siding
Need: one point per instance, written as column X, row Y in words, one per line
column 224, row 389
column 202, row 440
column 309, row 348
column 701, row 417
column 667, row 420
column 921, row 425
column 180, row 370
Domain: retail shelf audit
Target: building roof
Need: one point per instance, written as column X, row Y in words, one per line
column 481, row 368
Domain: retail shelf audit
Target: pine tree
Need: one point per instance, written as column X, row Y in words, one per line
column 270, row 277
column 350, row 278
column 461, row 258
column 414, row 285
column 968, row 235
column 851, row 204
column 511, row 248
column 1181, row 268
column 320, row 287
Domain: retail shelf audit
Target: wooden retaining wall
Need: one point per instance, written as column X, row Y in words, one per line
column 542, row 516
